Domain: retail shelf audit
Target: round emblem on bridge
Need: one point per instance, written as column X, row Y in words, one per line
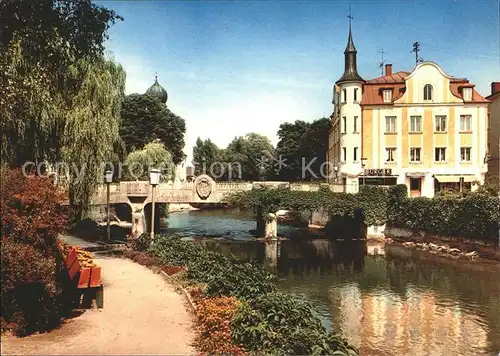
column 204, row 186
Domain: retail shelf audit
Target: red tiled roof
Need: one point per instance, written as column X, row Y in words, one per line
column 455, row 88
column 397, row 77
column 372, row 90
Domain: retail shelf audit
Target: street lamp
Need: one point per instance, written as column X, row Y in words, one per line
column 363, row 160
column 154, row 179
column 336, row 169
column 108, row 177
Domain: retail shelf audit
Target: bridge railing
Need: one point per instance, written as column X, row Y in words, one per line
column 233, row 186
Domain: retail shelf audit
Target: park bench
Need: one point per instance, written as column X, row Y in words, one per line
column 85, row 281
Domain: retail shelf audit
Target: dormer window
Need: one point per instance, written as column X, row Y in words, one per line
column 467, row 93
column 428, row 92
column 387, row 95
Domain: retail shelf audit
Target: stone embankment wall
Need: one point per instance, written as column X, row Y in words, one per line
column 424, row 236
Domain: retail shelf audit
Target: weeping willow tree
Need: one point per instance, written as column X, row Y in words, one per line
column 60, row 98
column 75, row 126
column 91, row 127
column 153, row 155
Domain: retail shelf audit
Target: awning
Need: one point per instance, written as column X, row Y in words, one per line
column 469, row 178
column 447, row 178
column 455, row 178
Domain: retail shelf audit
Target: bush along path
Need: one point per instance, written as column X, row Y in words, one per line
column 239, row 309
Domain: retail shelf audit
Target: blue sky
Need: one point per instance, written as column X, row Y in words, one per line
column 231, row 68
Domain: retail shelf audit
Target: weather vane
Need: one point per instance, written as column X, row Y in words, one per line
column 156, row 75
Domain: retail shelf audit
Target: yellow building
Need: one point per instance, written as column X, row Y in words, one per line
column 423, row 128
column 494, row 131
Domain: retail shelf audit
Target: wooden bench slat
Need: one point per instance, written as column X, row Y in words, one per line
column 75, row 267
column 71, row 258
column 83, row 281
column 95, row 277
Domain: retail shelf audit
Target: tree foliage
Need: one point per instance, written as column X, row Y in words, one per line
column 144, row 119
column 205, row 155
column 153, row 155
column 59, row 96
column 248, row 158
column 302, row 142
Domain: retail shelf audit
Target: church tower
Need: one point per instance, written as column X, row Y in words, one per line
column 348, row 92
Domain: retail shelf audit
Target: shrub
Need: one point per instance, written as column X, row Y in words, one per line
column 142, row 243
column 222, row 276
column 32, row 217
column 31, row 210
column 280, row 324
column 373, row 201
column 472, row 215
column 28, row 289
column 214, row 326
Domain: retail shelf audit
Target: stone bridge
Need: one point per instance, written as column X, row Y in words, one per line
column 203, row 190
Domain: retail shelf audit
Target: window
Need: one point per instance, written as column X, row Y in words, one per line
column 465, row 123
column 428, row 92
column 465, row 154
column 344, row 124
column 387, row 96
column 415, row 154
column 344, row 154
column 440, row 154
column 467, row 94
column 390, row 154
column 390, row 124
column 344, row 95
column 355, row 94
column 355, row 154
column 415, row 123
column 355, row 124
column 440, row 123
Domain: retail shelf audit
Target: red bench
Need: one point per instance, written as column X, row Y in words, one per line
column 87, row 279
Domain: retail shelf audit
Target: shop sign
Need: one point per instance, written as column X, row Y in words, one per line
column 378, row 172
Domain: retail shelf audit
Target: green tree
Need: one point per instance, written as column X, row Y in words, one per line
column 144, row 118
column 301, row 143
column 59, row 96
column 254, row 153
column 205, row 155
column 153, row 155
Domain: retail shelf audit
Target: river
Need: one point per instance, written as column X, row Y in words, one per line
column 386, row 300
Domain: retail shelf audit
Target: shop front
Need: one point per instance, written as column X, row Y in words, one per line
column 453, row 182
column 381, row 177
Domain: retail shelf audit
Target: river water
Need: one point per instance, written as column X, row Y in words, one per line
column 386, row 300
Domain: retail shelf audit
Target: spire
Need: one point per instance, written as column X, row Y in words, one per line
column 350, row 71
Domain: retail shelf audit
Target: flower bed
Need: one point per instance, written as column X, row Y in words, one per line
column 238, row 307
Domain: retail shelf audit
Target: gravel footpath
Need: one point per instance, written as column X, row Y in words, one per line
column 142, row 314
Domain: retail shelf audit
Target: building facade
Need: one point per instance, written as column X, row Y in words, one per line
column 494, row 131
column 424, row 128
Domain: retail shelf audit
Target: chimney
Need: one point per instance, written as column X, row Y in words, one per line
column 495, row 87
column 388, row 69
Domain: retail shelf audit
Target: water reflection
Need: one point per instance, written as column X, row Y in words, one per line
column 387, row 300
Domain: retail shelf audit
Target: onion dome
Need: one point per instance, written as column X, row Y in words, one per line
column 158, row 91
